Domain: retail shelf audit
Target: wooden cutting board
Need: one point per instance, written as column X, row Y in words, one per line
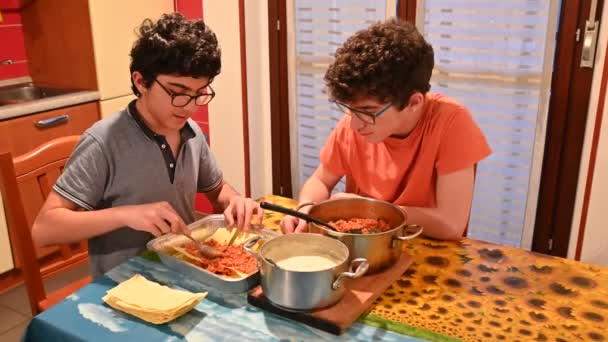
column 360, row 294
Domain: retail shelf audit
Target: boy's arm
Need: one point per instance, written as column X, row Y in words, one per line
column 61, row 221
column 316, row 188
column 449, row 219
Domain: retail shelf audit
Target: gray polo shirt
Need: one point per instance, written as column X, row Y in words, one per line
column 119, row 161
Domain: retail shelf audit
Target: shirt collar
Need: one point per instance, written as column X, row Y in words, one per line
column 186, row 132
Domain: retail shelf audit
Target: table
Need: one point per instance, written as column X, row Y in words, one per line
column 479, row 291
column 84, row 317
column 466, row 290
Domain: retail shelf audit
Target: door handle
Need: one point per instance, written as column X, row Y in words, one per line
column 589, row 44
column 590, row 37
column 50, row 122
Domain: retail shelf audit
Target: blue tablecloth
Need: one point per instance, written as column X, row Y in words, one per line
column 83, row 316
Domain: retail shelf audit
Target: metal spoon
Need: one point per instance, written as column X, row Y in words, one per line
column 207, row 251
column 295, row 213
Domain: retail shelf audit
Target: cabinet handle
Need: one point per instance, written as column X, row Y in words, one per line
column 50, row 122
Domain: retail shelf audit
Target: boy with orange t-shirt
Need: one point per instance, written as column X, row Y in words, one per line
column 398, row 142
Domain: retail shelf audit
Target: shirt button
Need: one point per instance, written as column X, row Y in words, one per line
column 171, row 165
column 163, row 146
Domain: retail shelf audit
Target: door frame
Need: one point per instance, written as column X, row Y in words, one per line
column 279, row 98
column 568, row 109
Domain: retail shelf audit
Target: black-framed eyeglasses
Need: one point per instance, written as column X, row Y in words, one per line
column 369, row 118
column 182, row 100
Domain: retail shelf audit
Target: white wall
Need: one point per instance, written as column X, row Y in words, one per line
column 594, row 241
column 258, row 89
column 225, row 111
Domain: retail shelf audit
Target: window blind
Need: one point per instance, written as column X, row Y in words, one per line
column 320, row 27
column 496, row 59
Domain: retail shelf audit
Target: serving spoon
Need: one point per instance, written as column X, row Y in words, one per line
column 295, row 213
column 308, row 218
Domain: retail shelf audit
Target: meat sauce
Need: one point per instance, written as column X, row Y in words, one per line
column 367, row 225
column 233, row 258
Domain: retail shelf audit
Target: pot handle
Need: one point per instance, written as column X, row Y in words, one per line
column 358, row 267
column 305, row 204
column 249, row 244
column 411, row 236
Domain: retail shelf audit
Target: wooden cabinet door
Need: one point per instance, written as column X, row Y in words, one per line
column 22, row 134
column 114, row 24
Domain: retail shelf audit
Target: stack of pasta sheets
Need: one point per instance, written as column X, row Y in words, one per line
column 150, row 301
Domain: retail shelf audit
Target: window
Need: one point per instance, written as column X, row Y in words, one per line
column 496, row 58
column 321, row 26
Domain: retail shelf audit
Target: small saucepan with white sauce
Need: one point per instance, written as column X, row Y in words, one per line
column 304, row 272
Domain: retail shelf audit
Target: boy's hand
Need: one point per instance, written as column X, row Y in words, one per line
column 156, row 218
column 291, row 224
column 240, row 210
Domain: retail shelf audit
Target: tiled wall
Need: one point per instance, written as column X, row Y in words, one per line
column 194, row 9
column 11, row 41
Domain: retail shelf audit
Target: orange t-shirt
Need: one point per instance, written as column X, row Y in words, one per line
column 404, row 171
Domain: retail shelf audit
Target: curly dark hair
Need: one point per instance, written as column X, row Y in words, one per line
column 389, row 60
column 177, row 46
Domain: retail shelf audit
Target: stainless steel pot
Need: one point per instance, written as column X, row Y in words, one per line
column 381, row 250
column 304, row 290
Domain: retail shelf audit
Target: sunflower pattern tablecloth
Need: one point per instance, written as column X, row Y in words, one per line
column 478, row 291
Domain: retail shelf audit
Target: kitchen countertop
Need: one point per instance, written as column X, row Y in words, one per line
column 45, row 104
column 17, row 80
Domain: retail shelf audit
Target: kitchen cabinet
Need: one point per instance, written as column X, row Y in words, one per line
column 22, row 134
column 113, row 26
column 91, row 50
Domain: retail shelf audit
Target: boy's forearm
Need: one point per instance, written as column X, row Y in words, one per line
column 62, row 225
column 314, row 190
column 225, row 194
column 436, row 224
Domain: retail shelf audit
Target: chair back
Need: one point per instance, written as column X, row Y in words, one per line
column 25, row 183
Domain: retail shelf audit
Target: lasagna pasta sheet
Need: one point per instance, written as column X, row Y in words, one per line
column 151, row 301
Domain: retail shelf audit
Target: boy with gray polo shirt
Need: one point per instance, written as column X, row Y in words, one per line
column 134, row 175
